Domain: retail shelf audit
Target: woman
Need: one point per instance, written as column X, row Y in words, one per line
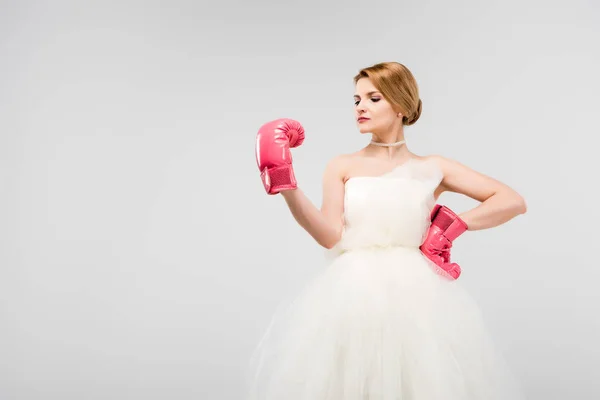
column 387, row 319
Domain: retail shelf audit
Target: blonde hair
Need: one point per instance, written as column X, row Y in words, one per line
column 398, row 85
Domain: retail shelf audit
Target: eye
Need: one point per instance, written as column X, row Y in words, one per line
column 373, row 99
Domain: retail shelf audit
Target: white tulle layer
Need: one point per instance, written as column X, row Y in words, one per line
column 380, row 324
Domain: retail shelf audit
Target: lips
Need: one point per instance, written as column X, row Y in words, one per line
column 361, row 119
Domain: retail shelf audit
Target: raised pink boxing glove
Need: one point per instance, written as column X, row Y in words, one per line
column 445, row 227
column 273, row 156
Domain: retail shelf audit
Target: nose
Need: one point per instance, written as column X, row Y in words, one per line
column 360, row 109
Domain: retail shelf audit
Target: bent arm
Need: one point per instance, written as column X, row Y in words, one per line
column 499, row 202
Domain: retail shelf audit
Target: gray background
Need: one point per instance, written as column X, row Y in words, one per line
column 140, row 257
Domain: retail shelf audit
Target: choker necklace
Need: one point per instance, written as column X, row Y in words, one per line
column 387, row 144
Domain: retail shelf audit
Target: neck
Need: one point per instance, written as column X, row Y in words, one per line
column 385, row 144
column 390, row 150
column 393, row 135
column 389, row 144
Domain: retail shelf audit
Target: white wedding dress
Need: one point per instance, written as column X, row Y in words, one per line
column 380, row 322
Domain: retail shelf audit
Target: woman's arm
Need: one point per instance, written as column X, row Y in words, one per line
column 325, row 225
column 499, row 202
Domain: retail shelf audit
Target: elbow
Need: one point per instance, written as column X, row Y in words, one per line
column 331, row 241
column 514, row 202
column 330, row 244
column 521, row 205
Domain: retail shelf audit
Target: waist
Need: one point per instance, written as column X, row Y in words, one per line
column 378, row 247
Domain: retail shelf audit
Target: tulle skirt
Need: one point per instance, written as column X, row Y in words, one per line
column 380, row 324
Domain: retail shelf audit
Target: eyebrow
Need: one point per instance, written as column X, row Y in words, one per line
column 368, row 94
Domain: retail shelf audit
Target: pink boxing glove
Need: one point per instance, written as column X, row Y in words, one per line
column 445, row 227
column 273, row 156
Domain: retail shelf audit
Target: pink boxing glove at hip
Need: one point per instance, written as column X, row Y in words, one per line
column 445, row 227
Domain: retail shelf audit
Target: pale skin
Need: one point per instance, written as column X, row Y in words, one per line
column 498, row 203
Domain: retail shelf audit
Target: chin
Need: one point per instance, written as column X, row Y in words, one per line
column 363, row 129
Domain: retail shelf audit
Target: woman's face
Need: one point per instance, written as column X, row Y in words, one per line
column 372, row 111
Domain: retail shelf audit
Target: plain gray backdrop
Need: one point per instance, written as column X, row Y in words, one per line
column 140, row 257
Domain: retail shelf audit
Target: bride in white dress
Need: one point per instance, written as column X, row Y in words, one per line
column 387, row 318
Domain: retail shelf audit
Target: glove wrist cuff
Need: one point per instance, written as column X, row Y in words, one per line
column 279, row 178
column 456, row 228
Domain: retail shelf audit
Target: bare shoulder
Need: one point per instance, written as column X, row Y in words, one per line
column 449, row 166
column 439, row 159
column 356, row 163
column 337, row 167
